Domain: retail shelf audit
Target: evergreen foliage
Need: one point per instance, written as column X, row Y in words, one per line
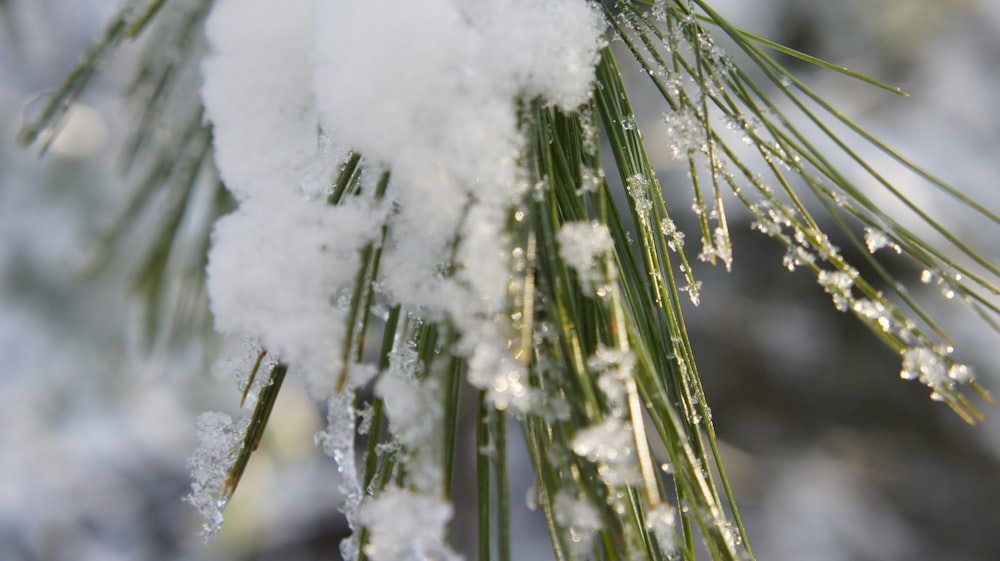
column 560, row 301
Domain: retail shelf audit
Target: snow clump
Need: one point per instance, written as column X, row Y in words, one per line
column 428, row 92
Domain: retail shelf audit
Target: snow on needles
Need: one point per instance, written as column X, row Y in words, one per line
column 427, row 90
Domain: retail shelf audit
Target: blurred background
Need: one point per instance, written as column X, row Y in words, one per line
column 832, row 457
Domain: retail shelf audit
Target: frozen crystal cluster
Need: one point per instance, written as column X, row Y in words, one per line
column 611, row 446
column 580, row 519
column 221, row 440
column 584, row 246
column 922, row 359
column 407, row 527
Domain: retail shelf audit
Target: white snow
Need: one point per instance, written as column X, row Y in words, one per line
column 504, row 378
column 838, row 285
column 614, row 369
column 585, row 246
column 407, row 527
column 427, row 90
column 275, row 269
column 932, row 369
column 221, row 440
column 337, row 442
column 580, row 519
column 414, row 410
column 876, row 239
column 610, row 445
column 660, row 523
column 257, row 96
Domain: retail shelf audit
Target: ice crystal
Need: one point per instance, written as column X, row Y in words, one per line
column 579, row 518
column 240, row 365
column 730, row 534
column 961, row 373
column 531, row 497
column 837, row 284
column 796, row 256
column 583, row 246
column 875, row 311
column 660, row 10
column 403, row 526
column 405, row 363
column 720, row 248
column 638, row 188
column 876, row 239
column 766, row 227
column 660, row 523
column 413, row 407
column 925, row 365
column 946, row 281
column 614, row 368
column 693, row 291
column 685, row 132
column 824, row 249
column 337, row 442
column 365, row 418
column 610, row 446
column 675, row 237
column 504, row 378
column 221, row 441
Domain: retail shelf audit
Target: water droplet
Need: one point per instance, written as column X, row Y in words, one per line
column 531, row 497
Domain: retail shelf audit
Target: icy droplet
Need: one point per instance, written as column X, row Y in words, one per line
column 837, row 284
column 221, row 441
column 877, row 239
column 403, row 526
column 961, row 373
column 582, row 244
column 694, row 292
column 925, row 365
column 579, row 518
column 614, row 368
column 531, row 497
column 796, row 257
column 660, row 522
column 610, row 446
column 875, row 311
column 674, row 237
column 685, row 131
column 637, row 187
column 731, row 534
